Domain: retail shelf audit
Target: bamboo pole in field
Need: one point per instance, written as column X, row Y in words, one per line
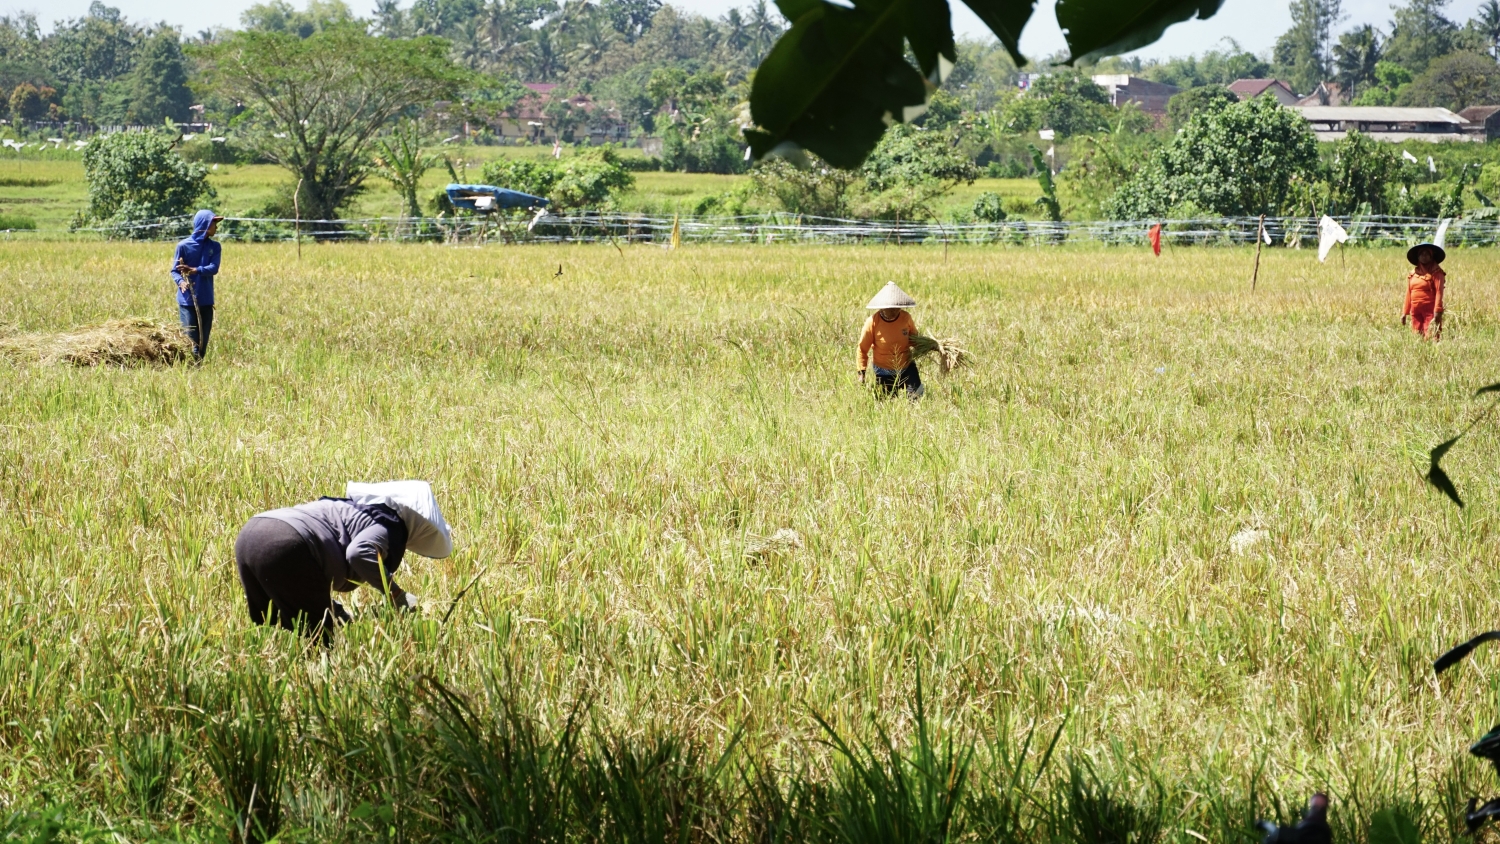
column 1260, row 239
column 297, row 217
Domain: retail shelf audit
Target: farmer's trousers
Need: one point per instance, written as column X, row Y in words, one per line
column 1422, row 321
column 190, row 324
column 887, row 381
column 284, row 582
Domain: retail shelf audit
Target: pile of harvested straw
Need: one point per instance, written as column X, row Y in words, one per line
column 950, row 355
column 119, row 342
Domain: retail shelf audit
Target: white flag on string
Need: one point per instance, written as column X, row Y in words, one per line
column 1265, row 234
column 1329, row 233
column 1408, row 156
column 1442, row 232
column 1431, row 166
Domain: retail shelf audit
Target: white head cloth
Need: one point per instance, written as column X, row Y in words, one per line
column 426, row 532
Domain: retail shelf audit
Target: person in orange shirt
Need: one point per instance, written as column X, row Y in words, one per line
column 886, row 342
column 1424, row 290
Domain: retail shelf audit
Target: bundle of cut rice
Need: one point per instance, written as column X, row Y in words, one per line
column 119, row 342
column 950, row 355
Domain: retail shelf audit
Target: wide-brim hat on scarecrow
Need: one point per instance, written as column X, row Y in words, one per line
column 427, row 532
column 1437, row 251
column 891, row 296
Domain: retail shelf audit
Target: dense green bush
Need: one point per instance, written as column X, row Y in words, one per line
column 1181, row 107
column 139, row 176
column 589, row 180
column 1251, row 157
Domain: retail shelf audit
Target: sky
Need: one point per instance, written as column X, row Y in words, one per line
column 1254, row 24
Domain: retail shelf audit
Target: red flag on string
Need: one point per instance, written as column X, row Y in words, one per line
column 1154, row 235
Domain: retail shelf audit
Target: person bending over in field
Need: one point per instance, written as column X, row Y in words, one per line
column 194, row 265
column 289, row 559
column 1424, row 290
column 887, row 339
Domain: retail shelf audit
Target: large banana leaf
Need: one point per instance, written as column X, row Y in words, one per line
column 839, row 77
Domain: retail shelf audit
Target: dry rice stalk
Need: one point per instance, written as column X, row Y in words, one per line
column 119, row 342
column 950, row 355
column 784, row 541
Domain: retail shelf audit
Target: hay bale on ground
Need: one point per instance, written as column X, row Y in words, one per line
column 118, row 342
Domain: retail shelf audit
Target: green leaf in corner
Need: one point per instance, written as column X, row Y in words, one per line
column 839, row 76
column 1005, row 18
column 1097, row 28
column 1437, row 477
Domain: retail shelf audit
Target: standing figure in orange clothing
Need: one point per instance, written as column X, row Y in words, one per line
column 887, row 339
column 1424, row 290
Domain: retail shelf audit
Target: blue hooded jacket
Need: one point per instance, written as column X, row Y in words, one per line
column 202, row 254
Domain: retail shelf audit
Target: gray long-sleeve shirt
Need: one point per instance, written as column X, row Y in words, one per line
column 350, row 544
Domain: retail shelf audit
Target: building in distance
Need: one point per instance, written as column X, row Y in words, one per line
column 1150, row 96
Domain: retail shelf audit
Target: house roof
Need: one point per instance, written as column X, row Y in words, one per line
column 540, row 87
column 1256, row 87
column 1112, row 81
column 1478, row 114
column 1378, row 114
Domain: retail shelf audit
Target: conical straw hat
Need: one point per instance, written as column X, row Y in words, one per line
column 891, row 296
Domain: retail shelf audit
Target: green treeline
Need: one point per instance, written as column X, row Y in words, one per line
column 641, row 73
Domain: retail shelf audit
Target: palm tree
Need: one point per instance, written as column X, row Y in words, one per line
column 592, row 41
column 1355, row 56
column 763, row 28
column 1489, row 24
column 736, row 35
column 544, row 61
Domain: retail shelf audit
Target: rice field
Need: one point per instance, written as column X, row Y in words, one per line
column 1159, row 561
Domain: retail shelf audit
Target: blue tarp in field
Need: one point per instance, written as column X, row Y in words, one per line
column 472, row 197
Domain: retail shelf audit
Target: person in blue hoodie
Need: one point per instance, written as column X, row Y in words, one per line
column 194, row 266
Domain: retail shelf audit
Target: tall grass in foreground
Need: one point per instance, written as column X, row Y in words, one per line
column 448, row 767
column 1047, row 535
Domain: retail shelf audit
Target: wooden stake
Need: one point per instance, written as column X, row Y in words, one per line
column 1260, row 239
column 297, row 217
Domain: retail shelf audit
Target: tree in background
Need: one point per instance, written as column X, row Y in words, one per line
column 588, row 181
column 1069, row 103
column 817, row 190
column 27, row 102
column 1487, row 22
column 1216, row 67
column 909, row 170
column 1304, row 52
column 138, row 176
column 1455, row 82
column 1245, row 159
column 1420, row 34
column 315, row 105
column 281, row 16
column 97, row 47
column 1390, row 79
column 1181, row 107
column 159, row 81
column 1360, row 176
column 401, row 160
column 1104, row 162
column 1048, row 201
column 1355, row 58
